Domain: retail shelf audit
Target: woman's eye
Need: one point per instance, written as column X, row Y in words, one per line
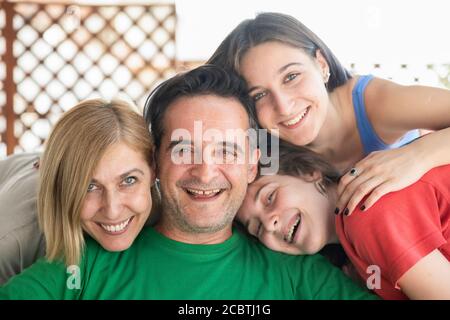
column 130, row 180
column 291, row 77
column 91, row 187
column 259, row 96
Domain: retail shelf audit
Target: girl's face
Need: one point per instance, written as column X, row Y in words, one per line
column 288, row 214
column 288, row 88
column 118, row 201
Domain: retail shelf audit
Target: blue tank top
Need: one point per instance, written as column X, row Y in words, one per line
column 369, row 139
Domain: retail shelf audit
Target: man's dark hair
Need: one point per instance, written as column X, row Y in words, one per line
column 203, row 80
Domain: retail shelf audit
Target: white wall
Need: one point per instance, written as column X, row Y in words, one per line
column 367, row 31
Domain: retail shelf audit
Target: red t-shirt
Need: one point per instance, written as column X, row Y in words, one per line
column 398, row 230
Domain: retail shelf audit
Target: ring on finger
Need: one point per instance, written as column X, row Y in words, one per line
column 354, row 172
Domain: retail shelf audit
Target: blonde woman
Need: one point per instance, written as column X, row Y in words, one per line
column 94, row 196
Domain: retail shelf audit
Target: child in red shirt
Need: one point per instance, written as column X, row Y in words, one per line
column 400, row 246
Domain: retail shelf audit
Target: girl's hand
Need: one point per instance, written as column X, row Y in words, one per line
column 379, row 173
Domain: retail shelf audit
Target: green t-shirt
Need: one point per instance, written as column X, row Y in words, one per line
column 156, row 267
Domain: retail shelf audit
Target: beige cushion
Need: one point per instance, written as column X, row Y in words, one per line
column 21, row 241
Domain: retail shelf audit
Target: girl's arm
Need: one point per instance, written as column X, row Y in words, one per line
column 393, row 110
column 429, row 278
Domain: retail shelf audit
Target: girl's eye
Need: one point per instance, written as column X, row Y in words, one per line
column 291, row 77
column 259, row 96
column 130, row 180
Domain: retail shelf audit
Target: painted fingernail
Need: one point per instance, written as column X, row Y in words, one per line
column 346, row 211
column 336, row 211
column 362, row 208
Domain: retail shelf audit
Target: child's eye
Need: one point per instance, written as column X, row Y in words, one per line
column 270, row 198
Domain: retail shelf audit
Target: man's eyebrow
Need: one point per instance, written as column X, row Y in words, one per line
column 233, row 145
column 281, row 70
column 174, row 143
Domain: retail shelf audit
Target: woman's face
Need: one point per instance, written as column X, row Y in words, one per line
column 288, row 88
column 288, row 214
column 118, row 200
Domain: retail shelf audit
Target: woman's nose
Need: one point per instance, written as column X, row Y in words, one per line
column 283, row 103
column 113, row 205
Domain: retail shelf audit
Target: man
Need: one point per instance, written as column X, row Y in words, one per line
column 207, row 258
column 204, row 165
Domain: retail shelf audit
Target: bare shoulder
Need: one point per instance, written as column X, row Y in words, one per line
column 379, row 91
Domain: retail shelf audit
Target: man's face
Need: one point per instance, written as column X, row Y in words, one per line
column 204, row 169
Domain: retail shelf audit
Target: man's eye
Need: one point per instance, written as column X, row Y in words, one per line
column 259, row 96
column 229, row 153
column 183, row 150
column 130, row 180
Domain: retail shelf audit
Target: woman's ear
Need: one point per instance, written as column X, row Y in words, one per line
column 323, row 65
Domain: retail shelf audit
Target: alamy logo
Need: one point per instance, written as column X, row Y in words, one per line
column 234, row 146
column 374, row 280
column 74, row 278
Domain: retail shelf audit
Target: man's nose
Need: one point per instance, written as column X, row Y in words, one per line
column 205, row 172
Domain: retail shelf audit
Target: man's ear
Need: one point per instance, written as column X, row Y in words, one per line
column 253, row 165
column 155, row 165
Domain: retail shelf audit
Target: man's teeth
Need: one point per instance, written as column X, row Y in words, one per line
column 115, row 227
column 204, row 192
column 291, row 232
column 296, row 119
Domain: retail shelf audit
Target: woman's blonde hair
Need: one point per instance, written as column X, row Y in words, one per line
column 74, row 148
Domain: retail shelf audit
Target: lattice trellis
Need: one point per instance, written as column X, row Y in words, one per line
column 3, row 140
column 436, row 75
column 63, row 54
